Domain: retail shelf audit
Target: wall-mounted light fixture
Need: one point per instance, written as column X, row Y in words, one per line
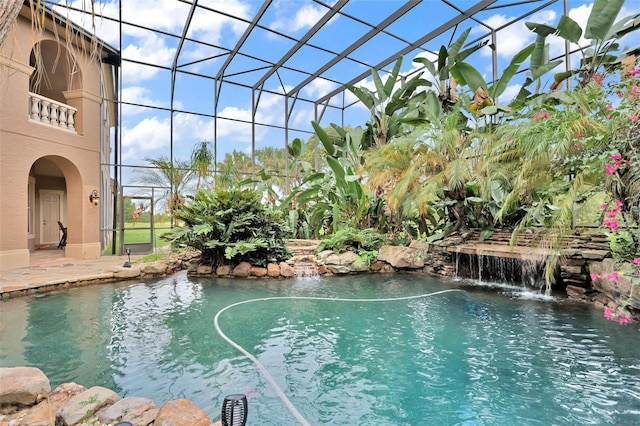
column 94, row 198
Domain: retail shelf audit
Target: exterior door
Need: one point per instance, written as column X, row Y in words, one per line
column 50, row 214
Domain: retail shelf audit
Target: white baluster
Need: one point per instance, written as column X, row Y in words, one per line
column 71, row 120
column 54, row 115
column 44, row 116
column 63, row 116
column 35, row 108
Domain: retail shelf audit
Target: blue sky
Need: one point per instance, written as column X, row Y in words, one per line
column 146, row 129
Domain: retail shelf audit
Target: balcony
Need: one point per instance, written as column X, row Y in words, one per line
column 51, row 113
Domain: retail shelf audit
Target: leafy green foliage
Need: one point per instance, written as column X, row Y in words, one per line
column 357, row 240
column 622, row 245
column 229, row 227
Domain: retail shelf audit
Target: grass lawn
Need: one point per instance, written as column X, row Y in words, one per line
column 140, row 233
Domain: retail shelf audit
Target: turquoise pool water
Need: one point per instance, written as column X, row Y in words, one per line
column 474, row 357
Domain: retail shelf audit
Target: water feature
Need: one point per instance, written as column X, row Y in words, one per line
column 528, row 271
column 467, row 357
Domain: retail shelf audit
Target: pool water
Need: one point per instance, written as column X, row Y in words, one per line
column 479, row 356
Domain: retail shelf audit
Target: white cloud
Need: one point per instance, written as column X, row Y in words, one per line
column 140, row 95
column 305, row 17
column 318, row 87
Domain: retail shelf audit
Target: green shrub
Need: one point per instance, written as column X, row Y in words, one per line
column 356, row 240
column 622, row 245
column 230, row 227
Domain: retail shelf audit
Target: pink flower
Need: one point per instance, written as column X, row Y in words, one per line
column 609, row 117
column 594, row 276
column 625, row 320
column 634, row 90
column 633, row 117
column 604, row 205
column 609, row 107
column 613, row 276
column 610, row 169
column 612, row 224
column 637, row 261
column 579, row 146
column 609, row 313
column 619, row 204
column 580, row 136
column 616, row 157
column 620, row 94
column 612, row 213
column 635, row 72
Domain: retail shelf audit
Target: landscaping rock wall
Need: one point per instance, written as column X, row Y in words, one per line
column 26, row 399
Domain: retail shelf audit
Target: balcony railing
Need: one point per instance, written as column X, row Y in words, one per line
column 51, row 113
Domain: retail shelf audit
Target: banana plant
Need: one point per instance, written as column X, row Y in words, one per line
column 603, row 32
column 446, row 85
column 485, row 96
column 390, row 108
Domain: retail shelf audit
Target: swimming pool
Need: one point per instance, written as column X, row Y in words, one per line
column 473, row 357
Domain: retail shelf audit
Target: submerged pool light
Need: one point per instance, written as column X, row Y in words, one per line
column 234, row 410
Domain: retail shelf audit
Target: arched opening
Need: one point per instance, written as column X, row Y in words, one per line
column 54, row 201
column 56, row 70
column 53, row 87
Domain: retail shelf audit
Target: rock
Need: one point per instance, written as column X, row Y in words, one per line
column 344, row 263
column 126, row 273
column 273, row 270
column 577, row 293
column 155, row 268
column 376, row 266
column 41, row 414
column 303, row 258
column 595, row 254
column 401, row 257
column 323, row 255
column 181, row 412
column 286, row 270
column 22, row 385
column 126, row 409
column 322, row 269
column 243, row 270
column 223, row 270
column 204, row 270
column 84, row 404
column 257, row 271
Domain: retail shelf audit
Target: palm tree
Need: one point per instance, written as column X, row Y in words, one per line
column 201, row 159
column 172, row 175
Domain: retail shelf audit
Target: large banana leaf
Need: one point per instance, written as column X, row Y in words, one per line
column 510, row 71
column 467, row 74
column 324, row 138
column 602, row 17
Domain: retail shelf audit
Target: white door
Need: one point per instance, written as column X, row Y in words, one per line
column 50, row 214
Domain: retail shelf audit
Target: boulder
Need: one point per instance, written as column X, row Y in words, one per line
column 223, row 270
column 126, row 273
column 302, row 258
column 243, row 270
column 287, row 270
column 204, row 270
column 181, row 412
column 126, row 409
column 401, row 257
column 273, row 270
column 257, row 271
column 23, row 385
column 155, row 268
column 345, row 263
column 84, row 405
column 41, row 414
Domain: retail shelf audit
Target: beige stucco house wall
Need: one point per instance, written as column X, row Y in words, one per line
column 54, row 127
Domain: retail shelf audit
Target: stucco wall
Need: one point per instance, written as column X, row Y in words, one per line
column 23, row 142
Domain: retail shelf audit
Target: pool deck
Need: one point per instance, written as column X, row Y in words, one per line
column 50, row 269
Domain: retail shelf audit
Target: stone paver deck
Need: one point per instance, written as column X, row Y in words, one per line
column 50, row 270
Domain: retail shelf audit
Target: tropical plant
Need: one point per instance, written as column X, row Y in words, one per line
column 390, row 108
column 603, row 32
column 174, row 176
column 352, row 239
column 202, row 159
column 229, row 227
